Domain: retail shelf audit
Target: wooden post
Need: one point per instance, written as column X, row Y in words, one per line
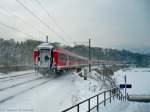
column 47, row 38
column 85, row 74
column 89, row 105
column 125, row 78
column 110, row 96
column 97, row 103
column 104, row 98
column 78, row 108
column 89, row 55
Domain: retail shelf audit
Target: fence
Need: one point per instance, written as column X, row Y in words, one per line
column 111, row 92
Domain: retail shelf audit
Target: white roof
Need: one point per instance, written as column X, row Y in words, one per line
column 45, row 46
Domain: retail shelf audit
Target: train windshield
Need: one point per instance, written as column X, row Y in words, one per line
column 44, row 57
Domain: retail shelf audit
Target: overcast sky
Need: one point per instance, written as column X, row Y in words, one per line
column 109, row 23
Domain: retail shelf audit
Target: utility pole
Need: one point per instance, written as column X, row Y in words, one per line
column 125, row 80
column 89, row 52
column 89, row 55
column 99, row 57
column 47, row 38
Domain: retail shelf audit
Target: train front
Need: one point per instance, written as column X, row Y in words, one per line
column 43, row 59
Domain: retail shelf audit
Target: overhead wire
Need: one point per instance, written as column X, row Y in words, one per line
column 51, row 18
column 13, row 28
column 39, row 19
column 23, row 21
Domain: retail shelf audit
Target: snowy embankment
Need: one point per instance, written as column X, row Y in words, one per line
column 139, row 78
column 59, row 93
column 84, row 89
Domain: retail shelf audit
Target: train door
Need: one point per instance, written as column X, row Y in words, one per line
column 44, row 57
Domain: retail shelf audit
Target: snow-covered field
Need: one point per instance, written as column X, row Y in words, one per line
column 119, row 106
column 55, row 95
column 138, row 77
column 63, row 91
column 140, row 80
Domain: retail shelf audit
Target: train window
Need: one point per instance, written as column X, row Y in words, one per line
column 46, row 58
column 60, row 56
column 72, row 58
column 69, row 57
column 38, row 58
column 65, row 58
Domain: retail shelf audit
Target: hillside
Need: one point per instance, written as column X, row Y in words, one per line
column 20, row 53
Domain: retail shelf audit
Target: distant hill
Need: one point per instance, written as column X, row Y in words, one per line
column 20, row 53
column 144, row 50
column 112, row 54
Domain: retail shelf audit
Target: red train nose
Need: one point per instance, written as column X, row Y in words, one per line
column 35, row 55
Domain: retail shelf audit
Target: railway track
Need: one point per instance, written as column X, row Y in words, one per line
column 1, row 78
column 12, row 79
column 19, row 84
column 11, row 89
column 23, row 91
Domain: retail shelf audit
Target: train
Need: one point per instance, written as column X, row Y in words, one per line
column 51, row 59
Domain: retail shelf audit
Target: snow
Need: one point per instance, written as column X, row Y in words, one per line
column 139, row 78
column 45, row 45
column 56, row 95
column 68, row 89
column 15, row 73
column 7, row 83
column 119, row 106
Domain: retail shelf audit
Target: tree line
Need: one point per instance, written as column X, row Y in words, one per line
column 20, row 53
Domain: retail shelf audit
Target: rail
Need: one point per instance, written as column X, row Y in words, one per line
column 6, row 69
column 112, row 93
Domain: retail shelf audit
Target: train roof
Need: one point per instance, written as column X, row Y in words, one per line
column 45, row 46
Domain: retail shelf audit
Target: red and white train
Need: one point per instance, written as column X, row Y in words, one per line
column 48, row 58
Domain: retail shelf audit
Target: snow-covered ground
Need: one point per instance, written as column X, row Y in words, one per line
column 15, row 73
column 63, row 91
column 140, row 80
column 57, row 94
column 138, row 77
column 119, row 106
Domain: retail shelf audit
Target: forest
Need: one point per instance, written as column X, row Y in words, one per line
column 20, row 53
